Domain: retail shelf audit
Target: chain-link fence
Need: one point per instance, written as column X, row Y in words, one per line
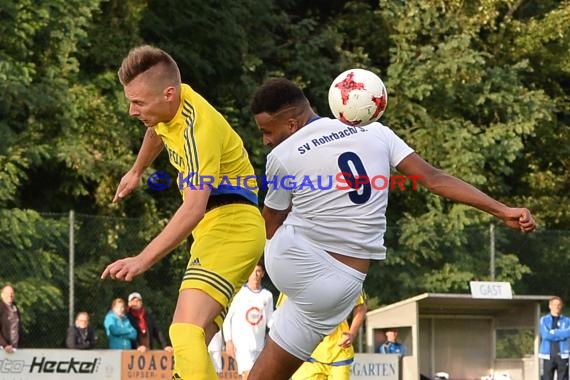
column 56, row 269
column 57, row 274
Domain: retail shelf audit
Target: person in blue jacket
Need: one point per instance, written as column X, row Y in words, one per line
column 120, row 332
column 391, row 345
column 554, row 333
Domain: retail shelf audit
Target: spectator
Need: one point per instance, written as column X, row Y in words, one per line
column 215, row 350
column 144, row 322
column 10, row 326
column 554, row 352
column 80, row 336
column 379, row 338
column 118, row 328
column 391, row 345
column 245, row 325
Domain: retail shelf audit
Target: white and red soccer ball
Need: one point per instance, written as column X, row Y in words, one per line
column 358, row 97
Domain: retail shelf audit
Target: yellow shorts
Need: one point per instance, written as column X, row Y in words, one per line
column 228, row 243
column 319, row 371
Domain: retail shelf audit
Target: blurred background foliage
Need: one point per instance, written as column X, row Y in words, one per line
column 478, row 88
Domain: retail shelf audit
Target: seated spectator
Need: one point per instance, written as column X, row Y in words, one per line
column 80, row 336
column 144, row 322
column 118, row 328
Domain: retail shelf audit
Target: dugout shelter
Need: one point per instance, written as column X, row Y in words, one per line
column 463, row 336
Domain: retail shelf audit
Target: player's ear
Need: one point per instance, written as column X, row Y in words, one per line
column 293, row 125
column 169, row 93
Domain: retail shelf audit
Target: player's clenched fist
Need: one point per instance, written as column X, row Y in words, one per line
column 520, row 219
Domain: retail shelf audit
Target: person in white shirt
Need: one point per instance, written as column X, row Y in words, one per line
column 247, row 321
column 215, row 351
column 321, row 237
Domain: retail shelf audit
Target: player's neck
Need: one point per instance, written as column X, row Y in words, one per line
column 309, row 116
column 254, row 287
column 174, row 106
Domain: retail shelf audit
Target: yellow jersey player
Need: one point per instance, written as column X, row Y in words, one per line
column 332, row 358
column 219, row 204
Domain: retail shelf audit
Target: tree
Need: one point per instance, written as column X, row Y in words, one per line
column 478, row 88
column 465, row 111
column 64, row 147
column 35, row 66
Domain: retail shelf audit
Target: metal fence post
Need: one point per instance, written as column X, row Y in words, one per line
column 492, row 251
column 71, row 267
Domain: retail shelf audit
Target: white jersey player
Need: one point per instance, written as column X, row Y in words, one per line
column 215, row 350
column 327, row 192
column 328, row 214
column 247, row 321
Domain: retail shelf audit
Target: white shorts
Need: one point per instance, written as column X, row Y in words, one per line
column 245, row 359
column 320, row 291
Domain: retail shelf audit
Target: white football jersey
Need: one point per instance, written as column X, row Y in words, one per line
column 337, row 178
column 247, row 318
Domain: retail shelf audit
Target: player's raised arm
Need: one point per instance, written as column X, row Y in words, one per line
column 188, row 215
column 150, row 148
column 448, row 186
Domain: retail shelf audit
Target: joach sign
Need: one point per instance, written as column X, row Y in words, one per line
column 148, row 365
column 159, row 365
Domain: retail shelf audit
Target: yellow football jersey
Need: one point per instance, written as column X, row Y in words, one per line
column 205, row 149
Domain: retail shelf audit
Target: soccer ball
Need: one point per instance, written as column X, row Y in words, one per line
column 357, row 97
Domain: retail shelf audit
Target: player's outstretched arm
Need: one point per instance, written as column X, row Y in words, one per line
column 150, row 148
column 180, row 226
column 448, row 186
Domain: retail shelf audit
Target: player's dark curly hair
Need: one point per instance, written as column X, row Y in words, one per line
column 275, row 94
